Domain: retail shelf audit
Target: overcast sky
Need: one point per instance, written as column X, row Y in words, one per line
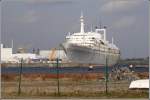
column 44, row 23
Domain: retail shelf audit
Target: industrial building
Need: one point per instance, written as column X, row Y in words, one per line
column 6, row 53
column 25, row 56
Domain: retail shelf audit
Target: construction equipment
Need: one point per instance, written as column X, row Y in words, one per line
column 52, row 55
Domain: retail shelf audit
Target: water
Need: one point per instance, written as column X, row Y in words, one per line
column 53, row 70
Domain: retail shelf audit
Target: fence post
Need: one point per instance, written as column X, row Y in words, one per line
column 20, row 73
column 106, row 75
column 58, row 90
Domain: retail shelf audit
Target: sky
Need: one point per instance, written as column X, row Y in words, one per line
column 45, row 23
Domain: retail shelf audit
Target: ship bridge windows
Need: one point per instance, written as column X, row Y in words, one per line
column 101, row 42
column 93, row 38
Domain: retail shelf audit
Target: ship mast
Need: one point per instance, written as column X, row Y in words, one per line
column 112, row 40
column 82, row 23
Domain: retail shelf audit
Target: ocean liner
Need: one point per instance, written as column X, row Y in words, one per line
column 90, row 47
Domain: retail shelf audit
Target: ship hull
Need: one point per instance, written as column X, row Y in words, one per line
column 87, row 55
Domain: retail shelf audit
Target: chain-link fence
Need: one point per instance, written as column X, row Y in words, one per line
column 89, row 84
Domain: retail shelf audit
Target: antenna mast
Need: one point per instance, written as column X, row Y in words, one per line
column 12, row 44
column 100, row 24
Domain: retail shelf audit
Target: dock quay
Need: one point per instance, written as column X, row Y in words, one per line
column 45, row 64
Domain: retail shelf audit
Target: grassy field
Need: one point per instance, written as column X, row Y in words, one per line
column 80, row 94
column 72, row 86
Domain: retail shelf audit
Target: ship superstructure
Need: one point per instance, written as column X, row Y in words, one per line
column 90, row 47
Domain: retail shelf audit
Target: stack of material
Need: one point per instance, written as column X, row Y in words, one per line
column 139, row 84
column 123, row 73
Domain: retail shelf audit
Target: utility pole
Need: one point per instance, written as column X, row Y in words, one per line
column 20, row 73
column 58, row 90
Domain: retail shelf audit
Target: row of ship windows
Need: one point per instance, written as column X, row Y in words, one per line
column 110, row 51
column 82, row 39
column 90, row 38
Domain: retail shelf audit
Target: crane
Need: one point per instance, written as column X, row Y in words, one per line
column 52, row 55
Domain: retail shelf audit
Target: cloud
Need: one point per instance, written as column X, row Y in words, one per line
column 124, row 22
column 40, row 1
column 119, row 5
column 29, row 17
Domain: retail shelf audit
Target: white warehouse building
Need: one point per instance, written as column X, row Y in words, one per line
column 44, row 53
column 6, row 53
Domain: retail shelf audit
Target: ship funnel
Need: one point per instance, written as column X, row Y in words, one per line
column 102, row 32
column 82, row 23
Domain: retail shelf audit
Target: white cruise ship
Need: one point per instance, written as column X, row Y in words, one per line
column 90, row 47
